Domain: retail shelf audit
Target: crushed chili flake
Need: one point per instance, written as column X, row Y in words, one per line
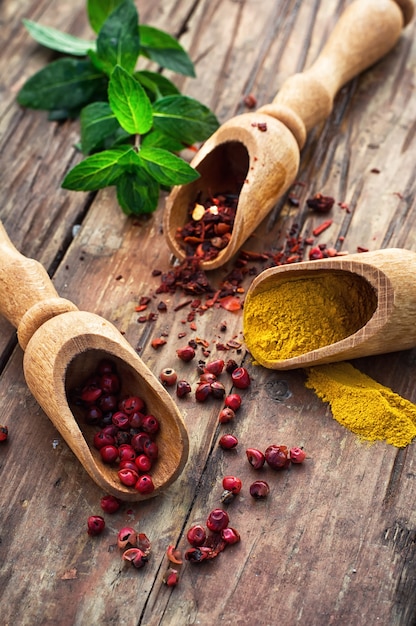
column 158, row 342
column 320, row 229
column 162, row 306
column 320, row 203
column 361, row 249
column 192, row 326
column 230, row 303
column 209, row 228
column 140, row 307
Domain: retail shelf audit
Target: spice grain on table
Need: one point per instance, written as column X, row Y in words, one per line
column 344, row 518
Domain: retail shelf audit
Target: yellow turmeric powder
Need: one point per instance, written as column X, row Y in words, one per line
column 367, row 408
column 297, row 315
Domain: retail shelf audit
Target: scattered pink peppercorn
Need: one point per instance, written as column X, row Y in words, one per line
column 196, row 535
column 203, row 392
column 174, row 555
column 198, row 554
column 230, row 535
column 145, row 484
column 183, row 388
column 109, row 454
column 95, row 525
column 132, row 404
column 228, row 441
column 128, row 477
column 241, row 378
column 215, row 367
column 171, row 578
column 232, row 483
column 187, row 353
column 277, row 457
column 143, row 463
column 217, row 389
column 217, row 520
column 102, row 439
column 4, row 433
column 168, row 376
column 207, row 377
column 297, row 455
column 233, row 401
column 136, row 557
column 110, row 504
column 259, row 489
column 255, row 457
column 226, row 415
column 150, row 425
column 126, row 536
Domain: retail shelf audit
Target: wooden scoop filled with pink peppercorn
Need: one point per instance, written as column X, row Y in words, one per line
column 63, row 349
column 255, row 156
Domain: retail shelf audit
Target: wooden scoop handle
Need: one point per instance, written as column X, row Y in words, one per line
column 365, row 32
column 27, row 295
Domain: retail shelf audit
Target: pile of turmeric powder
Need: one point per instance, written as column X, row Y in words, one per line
column 298, row 315
column 365, row 407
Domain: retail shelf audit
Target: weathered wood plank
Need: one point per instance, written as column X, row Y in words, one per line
column 335, row 542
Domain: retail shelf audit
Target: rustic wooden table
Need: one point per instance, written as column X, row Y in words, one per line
column 335, row 543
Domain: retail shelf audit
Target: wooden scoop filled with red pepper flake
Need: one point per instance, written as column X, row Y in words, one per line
column 256, row 155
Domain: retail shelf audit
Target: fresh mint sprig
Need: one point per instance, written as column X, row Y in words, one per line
column 132, row 122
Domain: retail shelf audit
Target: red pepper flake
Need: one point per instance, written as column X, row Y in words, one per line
column 320, row 229
column 181, row 335
column 192, row 326
column 230, row 303
column 375, row 170
column 142, row 319
column 320, row 203
column 233, row 344
column 361, row 249
column 195, row 304
column 158, row 342
column 119, row 277
column 262, row 126
column 140, row 307
column 202, row 342
column 156, row 272
column 162, row 306
column 144, row 300
column 182, row 305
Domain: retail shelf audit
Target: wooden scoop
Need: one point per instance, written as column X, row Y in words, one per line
column 385, row 291
column 256, row 155
column 62, row 349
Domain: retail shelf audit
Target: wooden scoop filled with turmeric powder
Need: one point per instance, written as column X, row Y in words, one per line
column 331, row 310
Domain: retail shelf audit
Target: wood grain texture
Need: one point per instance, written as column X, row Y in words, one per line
column 335, row 541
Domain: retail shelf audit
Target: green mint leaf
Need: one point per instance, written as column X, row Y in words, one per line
column 162, row 48
column 167, row 168
column 118, row 41
column 63, row 84
column 129, row 102
column 184, row 119
column 137, row 192
column 156, row 85
column 99, row 10
column 57, row 40
column 96, row 171
column 100, row 129
column 157, row 139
